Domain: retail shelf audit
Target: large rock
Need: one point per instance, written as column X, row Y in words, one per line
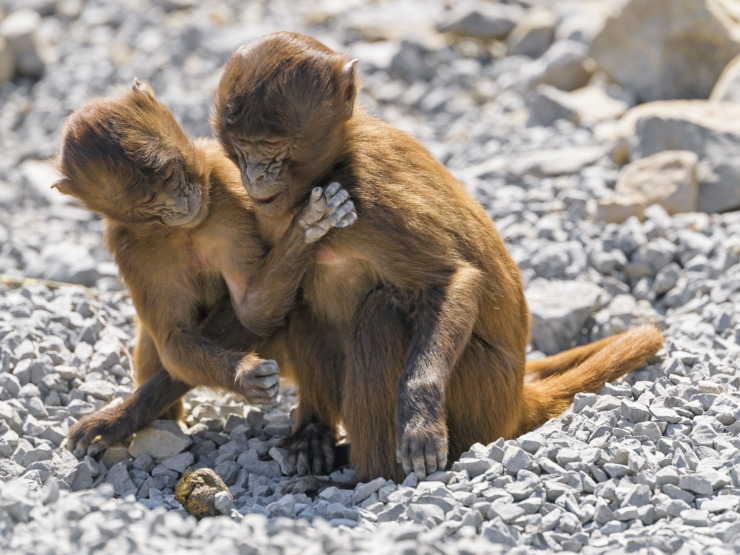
column 161, row 440
column 533, row 34
column 727, row 87
column 565, row 65
column 482, row 20
column 595, row 104
column 587, row 105
column 548, row 104
column 582, row 20
column 20, row 30
column 709, row 129
column 668, row 178
column 7, row 62
column 559, row 309
column 667, row 49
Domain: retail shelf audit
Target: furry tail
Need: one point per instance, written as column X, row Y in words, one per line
column 594, row 365
column 557, row 364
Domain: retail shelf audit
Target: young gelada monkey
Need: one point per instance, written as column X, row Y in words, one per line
column 412, row 325
column 184, row 235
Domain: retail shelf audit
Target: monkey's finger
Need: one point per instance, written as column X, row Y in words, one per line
column 417, row 459
column 331, row 189
column 314, row 233
column 341, row 211
column 81, row 445
column 316, row 193
column 96, row 448
column 430, row 458
column 265, row 382
column 337, row 199
column 328, row 448
column 272, row 393
column 79, row 451
column 442, row 459
column 405, row 456
column 317, row 455
column 265, row 368
column 347, row 221
column 314, row 211
column 292, row 461
column 263, row 397
column 302, row 463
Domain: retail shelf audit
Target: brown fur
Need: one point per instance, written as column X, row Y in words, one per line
column 184, row 236
column 412, row 325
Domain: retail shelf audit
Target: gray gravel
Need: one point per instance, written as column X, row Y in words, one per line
column 650, row 464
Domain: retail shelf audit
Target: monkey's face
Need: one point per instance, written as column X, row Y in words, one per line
column 128, row 159
column 264, row 166
column 171, row 199
column 280, row 112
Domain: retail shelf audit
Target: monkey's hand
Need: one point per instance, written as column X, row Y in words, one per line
column 326, row 208
column 310, row 449
column 258, row 383
column 421, row 441
column 98, row 431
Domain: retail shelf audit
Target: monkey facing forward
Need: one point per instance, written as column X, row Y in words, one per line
column 411, row 326
column 183, row 233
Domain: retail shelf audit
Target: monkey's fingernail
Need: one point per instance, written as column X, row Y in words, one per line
column 316, row 193
column 337, row 199
column 332, row 189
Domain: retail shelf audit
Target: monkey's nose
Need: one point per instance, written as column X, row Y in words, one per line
column 255, row 173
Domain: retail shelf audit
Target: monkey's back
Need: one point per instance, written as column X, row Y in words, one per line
column 397, row 184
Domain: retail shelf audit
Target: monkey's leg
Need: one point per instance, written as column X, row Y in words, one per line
column 159, row 394
column 317, row 363
column 106, row 427
column 484, row 397
column 376, row 353
column 146, row 364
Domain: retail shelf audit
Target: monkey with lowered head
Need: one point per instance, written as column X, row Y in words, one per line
column 184, row 235
column 411, row 326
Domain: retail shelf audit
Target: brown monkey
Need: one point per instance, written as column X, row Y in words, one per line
column 411, row 326
column 184, row 236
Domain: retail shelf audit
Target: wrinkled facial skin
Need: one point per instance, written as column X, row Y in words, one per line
column 262, row 167
column 177, row 202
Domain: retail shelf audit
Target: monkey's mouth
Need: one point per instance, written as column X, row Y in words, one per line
column 267, row 200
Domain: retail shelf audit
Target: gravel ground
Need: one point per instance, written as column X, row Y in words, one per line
column 650, row 464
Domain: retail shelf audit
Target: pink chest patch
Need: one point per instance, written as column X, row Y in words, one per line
column 197, row 261
column 325, row 255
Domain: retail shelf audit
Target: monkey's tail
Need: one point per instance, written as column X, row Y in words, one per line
column 595, row 364
column 557, row 364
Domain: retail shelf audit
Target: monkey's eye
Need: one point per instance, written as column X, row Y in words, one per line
column 273, row 143
column 169, row 172
column 149, row 199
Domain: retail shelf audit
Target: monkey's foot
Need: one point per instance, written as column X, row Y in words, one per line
column 310, row 449
column 421, row 446
column 98, row 431
column 259, row 384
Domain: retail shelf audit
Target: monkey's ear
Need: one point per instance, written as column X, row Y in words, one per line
column 142, row 87
column 64, row 186
column 349, row 80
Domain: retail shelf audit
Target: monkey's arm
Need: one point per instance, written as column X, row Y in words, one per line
column 443, row 317
column 196, row 360
column 152, row 398
column 168, row 312
column 271, row 291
